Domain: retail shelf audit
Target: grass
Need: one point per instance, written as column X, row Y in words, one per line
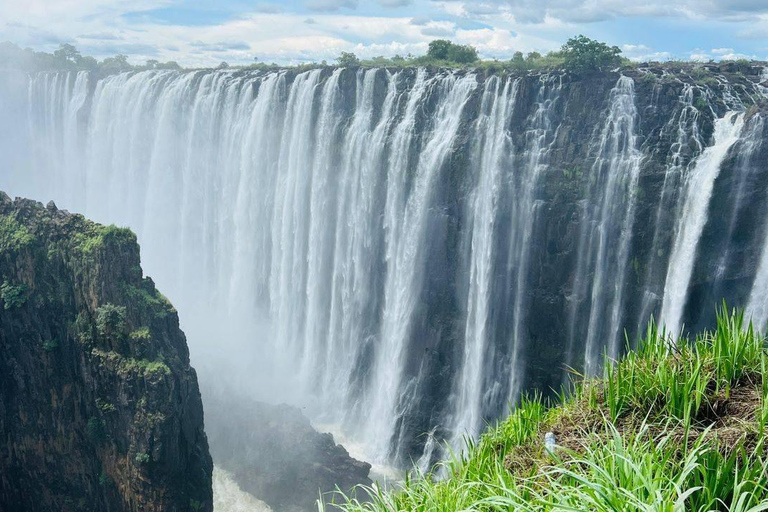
column 672, row 426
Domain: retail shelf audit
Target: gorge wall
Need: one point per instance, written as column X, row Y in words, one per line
column 404, row 252
column 99, row 407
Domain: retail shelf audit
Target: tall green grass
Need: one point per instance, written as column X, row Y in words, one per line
column 645, row 437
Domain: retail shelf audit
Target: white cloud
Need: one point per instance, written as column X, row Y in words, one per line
column 395, row 3
column 634, row 48
column 585, row 11
column 273, row 32
column 331, row 5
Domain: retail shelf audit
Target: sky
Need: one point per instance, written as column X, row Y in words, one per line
column 207, row 32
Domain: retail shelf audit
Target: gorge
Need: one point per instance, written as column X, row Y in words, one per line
column 404, row 252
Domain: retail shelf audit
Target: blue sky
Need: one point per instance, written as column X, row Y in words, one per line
column 206, row 32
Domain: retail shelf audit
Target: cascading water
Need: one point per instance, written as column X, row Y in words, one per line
column 606, row 234
column 698, row 190
column 405, row 269
column 402, row 252
column 493, row 150
column 687, row 145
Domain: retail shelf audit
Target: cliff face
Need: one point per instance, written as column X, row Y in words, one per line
column 99, row 407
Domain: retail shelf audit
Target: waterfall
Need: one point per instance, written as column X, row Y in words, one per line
column 405, row 269
column 525, row 206
column 403, row 253
column 698, row 190
column 607, row 230
column 492, row 150
column 688, row 144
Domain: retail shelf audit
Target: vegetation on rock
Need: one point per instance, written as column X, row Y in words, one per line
column 581, row 53
column 13, row 296
column 105, row 372
column 674, row 425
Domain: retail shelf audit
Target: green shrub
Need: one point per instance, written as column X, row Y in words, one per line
column 110, row 321
column 583, row 54
column 348, row 60
column 141, row 341
column 13, row 235
column 104, row 406
column 13, row 296
column 117, row 235
column 50, row 345
column 442, row 49
column 147, row 297
column 142, row 458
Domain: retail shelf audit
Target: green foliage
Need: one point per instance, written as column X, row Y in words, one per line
column 67, row 54
column 581, row 53
column 94, row 238
column 68, row 58
column 141, row 334
column 13, row 296
column 13, row 235
column 674, row 378
column 347, row 60
column 701, row 103
column 117, row 235
column 83, row 329
column 142, row 458
column 149, row 298
column 50, row 345
column 141, row 341
column 110, row 321
column 96, row 430
column 104, row 406
column 132, row 366
column 645, row 437
column 195, row 505
column 442, row 49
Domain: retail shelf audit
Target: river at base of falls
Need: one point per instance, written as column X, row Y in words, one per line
column 228, row 497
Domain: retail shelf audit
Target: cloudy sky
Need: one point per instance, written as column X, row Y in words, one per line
column 206, row 32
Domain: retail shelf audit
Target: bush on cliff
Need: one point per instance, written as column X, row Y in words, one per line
column 673, row 426
column 584, row 54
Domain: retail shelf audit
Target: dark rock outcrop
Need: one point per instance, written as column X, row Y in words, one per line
column 273, row 452
column 99, row 407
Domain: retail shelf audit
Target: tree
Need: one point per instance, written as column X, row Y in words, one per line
column 116, row 63
column 152, row 64
column 88, row 63
column 582, row 54
column 439, row 49
column 67, row 54
column 223, row 65
column 463, row 54
column 171, row 64
column 533, row 56
column 442, row 49
column 347, row 60
column 518, row 62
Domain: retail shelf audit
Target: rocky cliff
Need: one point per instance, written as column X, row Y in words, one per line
column 99, row 406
